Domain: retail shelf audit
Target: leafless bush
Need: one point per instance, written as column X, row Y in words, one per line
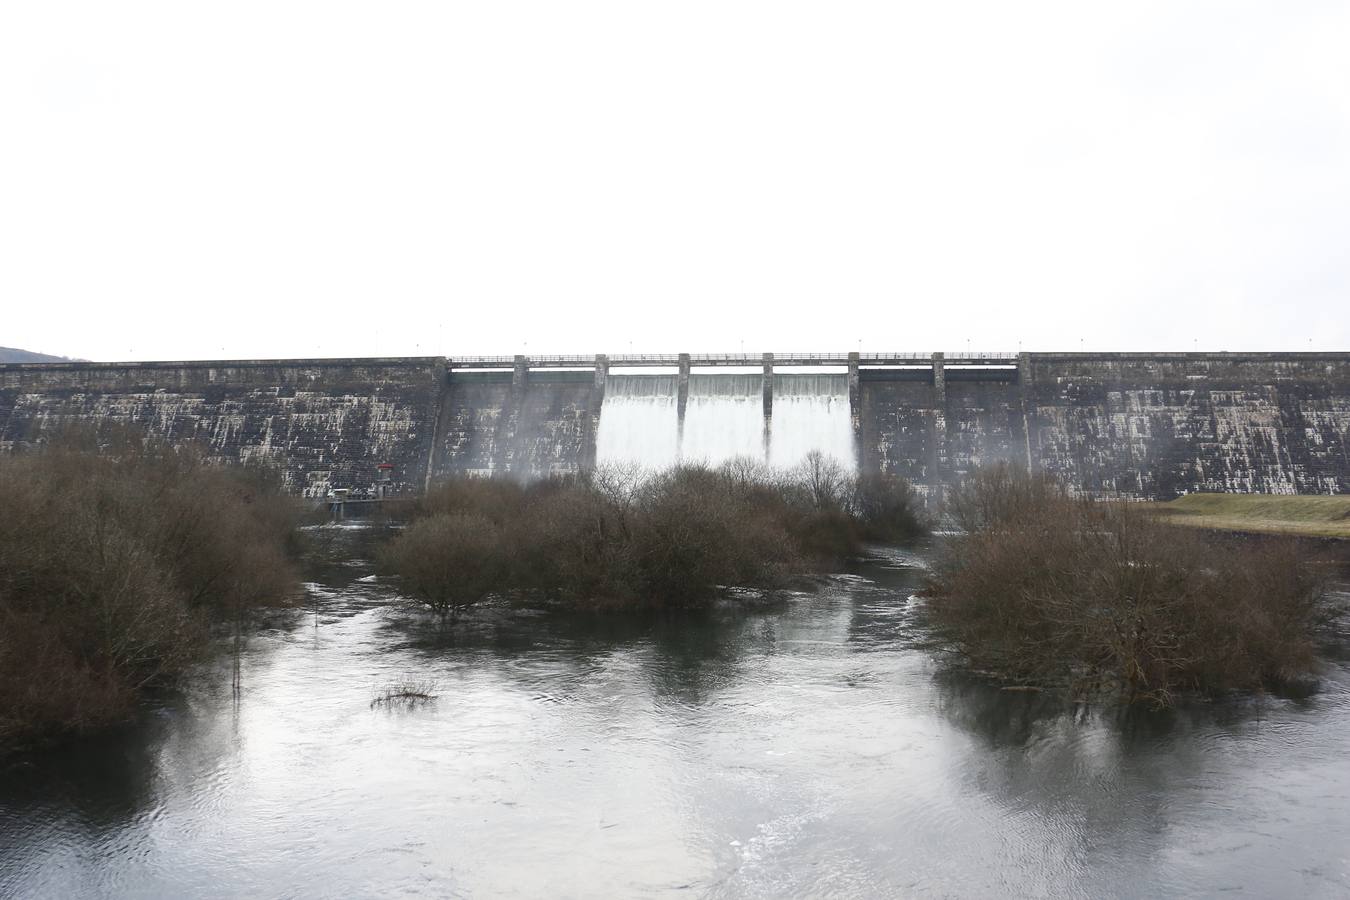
column 618, row 482
column 1048, row 589
column 827, row 484
column 625, row 537
column 886, row 508
column 695, row 532
column 113, row 566
column 499, row 499
column 407, row 692
column 448, row 561
column 998, row 494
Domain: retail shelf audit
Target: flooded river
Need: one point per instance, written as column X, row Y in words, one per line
column 812, row 748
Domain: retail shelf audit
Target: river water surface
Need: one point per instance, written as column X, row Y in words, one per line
column 811, row 748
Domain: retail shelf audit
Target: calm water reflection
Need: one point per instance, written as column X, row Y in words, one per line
column 810, row 749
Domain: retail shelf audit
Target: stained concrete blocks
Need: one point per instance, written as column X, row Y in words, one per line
column 322, row 423
column 1132, row 425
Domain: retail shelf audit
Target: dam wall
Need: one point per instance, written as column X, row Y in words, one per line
column 494, row 423
column 1127, row 425
column 1119, row 425
column 322, row 424
column 1161, row 424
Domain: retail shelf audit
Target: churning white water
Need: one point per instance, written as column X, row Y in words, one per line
column 639, row 421
column 724, row 418
column 810, row 412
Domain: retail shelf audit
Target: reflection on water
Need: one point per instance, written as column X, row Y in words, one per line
column 812, row 748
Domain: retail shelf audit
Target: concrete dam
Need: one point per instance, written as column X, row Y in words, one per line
column 1135, row 425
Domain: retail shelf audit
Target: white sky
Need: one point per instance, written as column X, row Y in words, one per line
column 188, row 180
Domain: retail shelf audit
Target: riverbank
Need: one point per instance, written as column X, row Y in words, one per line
column 1301, row 516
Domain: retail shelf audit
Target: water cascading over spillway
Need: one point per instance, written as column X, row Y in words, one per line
column 810, row 412
column 639, row 421
column 724, row 418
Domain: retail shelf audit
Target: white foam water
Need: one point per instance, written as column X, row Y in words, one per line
column 811, row 412
column 724, row 418
column 639, row 421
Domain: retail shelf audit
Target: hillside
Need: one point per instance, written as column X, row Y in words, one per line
column 12, row 355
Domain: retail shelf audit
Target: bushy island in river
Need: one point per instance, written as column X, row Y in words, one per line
column 628, row 539
column 117, row 567
column 114, row 569
column 1044, row 589
column 1036, row 588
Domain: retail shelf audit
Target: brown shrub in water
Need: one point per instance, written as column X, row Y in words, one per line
column 1052, row 590
column 448, row 561
column 573, row 544
column 885, row 507
column 693, row 531
column 113, row 566
column 622, row 538
column 498, row 499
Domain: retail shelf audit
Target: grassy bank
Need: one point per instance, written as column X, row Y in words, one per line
column 115, row 564
column 618, row 539
column 1303, row 516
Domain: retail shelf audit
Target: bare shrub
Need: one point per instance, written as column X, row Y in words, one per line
column 627, row 537
column 827, row 484
column 499, row 499
column 618, row 483
column 694, row 534
column 406, row 692
column 825, row 536
column 448, row 561
column 1048, row 589
column 745, row 473
column 575, row 546
column 112, row 568
column 886, row 508
column 996, row 494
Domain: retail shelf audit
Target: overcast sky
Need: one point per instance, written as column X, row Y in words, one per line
column 190, row 180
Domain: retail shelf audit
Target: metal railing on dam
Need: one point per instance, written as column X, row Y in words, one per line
column 796, row 358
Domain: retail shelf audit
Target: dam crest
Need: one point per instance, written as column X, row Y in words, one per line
column 1133, row 425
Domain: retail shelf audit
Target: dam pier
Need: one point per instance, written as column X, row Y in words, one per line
column 1135, row 425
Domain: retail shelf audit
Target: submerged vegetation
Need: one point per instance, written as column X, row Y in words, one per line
column 406, row 692
column 624, row 538
column 1045, row 589
column 114, row 566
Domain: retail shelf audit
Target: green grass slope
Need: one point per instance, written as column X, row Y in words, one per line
column 1319, row 516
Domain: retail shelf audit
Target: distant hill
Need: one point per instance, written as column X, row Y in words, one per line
column 11, row 355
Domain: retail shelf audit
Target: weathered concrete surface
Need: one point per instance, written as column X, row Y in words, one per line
column 323, row 423
column 1135, row 425
column 1162, row 424
column 1132, row 425
column 898, row 430
column 501, row 423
